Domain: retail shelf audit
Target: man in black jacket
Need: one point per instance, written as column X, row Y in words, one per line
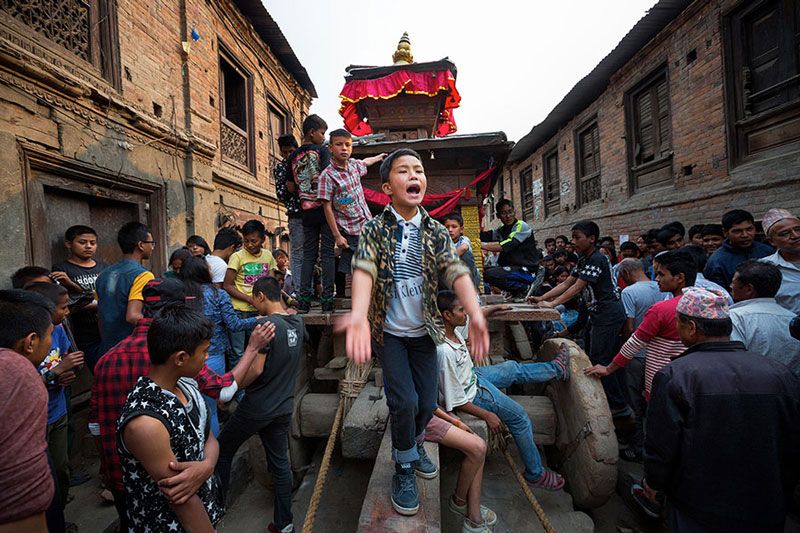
column 722, row 438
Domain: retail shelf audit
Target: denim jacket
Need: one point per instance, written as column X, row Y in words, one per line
column 375, row 256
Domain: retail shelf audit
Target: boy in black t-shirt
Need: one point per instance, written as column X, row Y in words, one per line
column 592, row 280
column 268, row 402
column 78, row 275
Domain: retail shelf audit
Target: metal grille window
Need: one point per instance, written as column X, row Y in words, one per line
column 650, row 132
column 86, row 28
column 526, row 191
column 762, row 39
column 588, row 163
column 236, row 143
column 552, row 183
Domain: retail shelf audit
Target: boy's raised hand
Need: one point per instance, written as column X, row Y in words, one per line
column 478, row 336
column 262, row 335
column 358, row 339
column 374, row 159
column 72, row 360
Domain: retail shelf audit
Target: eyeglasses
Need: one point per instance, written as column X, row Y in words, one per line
column 149, row 242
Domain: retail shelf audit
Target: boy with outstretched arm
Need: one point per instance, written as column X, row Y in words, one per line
column 592, row 280
column 476, row 391
column 401, row 254
column 342, row 196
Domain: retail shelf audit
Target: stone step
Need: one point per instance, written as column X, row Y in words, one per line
column 377, row 513
column 365, row 423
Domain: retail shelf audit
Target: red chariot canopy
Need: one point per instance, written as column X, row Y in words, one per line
column 389, row 86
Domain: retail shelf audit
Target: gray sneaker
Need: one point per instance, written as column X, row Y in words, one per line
column 424, row 466
column 404, row 492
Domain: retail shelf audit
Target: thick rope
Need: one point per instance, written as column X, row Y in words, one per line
column 308, row 523
column 537, row 508
column 350, row 387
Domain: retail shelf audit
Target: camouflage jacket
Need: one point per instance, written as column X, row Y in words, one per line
column 375, row 255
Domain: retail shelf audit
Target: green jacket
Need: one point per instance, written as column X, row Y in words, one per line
column 375, row 256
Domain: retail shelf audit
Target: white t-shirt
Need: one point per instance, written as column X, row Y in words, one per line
column 405, row 318
column 457, row 379
column 218, row 267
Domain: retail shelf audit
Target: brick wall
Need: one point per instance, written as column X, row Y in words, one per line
column 156, row 135
column 699, row 141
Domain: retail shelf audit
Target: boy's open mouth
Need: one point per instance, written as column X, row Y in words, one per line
column 413, row 189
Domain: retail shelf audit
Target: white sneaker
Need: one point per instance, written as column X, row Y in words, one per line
column 469, row 527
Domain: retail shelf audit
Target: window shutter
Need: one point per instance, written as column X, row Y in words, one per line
column 646, row 133
column 664, row 123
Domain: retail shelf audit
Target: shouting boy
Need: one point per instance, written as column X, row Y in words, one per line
column 342, row 196
column 401, row 254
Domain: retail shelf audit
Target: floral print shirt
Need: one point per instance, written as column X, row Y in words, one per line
column 375, row 255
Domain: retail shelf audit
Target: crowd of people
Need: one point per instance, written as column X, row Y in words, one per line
column 690, row 337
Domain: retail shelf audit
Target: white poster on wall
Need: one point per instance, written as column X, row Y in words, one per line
column 624, row 238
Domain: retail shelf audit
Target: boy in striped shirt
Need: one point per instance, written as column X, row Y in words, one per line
column 658, row 332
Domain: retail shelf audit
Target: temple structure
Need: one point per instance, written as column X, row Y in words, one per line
column 411, row 105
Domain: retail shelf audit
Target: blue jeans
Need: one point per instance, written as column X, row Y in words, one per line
column 239, row 340
column 494, row 377
column 411, row 380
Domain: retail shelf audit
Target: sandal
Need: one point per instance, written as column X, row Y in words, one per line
column 549, row 480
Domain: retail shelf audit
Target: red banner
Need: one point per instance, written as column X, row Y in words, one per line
column 427, row 83
column 482, row 181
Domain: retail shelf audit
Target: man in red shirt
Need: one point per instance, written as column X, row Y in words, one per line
column 117, row 372
column 26, row 484
column 658, row 333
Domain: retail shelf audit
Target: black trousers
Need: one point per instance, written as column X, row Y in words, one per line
column 274, row 435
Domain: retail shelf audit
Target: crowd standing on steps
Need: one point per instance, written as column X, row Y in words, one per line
column 694, row 338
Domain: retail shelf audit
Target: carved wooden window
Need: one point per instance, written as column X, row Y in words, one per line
column 277, row 125
column 526, row 191
column 87, row 28
column 551, row 182
column 649, row 132
column 236, row 142
column 588, row 163
column 762, row 39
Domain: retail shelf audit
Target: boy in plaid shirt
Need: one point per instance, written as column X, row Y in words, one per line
column 342, row 196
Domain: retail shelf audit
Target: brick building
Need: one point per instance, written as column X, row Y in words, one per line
column 166, row 112
column 695, row 112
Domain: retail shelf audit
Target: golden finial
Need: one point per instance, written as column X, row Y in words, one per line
column 402, row 56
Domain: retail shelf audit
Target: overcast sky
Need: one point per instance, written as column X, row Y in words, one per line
column 516, row 59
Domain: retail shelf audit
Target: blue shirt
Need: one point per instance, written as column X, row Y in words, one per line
column 637, row 299
column 56, row 398
column 113, row 287
column 722, row 264
column 218, row 308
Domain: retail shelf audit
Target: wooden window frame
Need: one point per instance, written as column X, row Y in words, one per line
column 662, row 163
column 580, row 177
column 551, row 206
column 226, row 56
column 104, row 56
column 526, row 193
column 740, row 123
column 275, row 156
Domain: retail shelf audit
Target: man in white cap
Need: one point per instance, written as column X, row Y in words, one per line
column 721, row 439
column 782, row 228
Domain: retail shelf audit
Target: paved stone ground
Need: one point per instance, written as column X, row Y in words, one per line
column 344, row 492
